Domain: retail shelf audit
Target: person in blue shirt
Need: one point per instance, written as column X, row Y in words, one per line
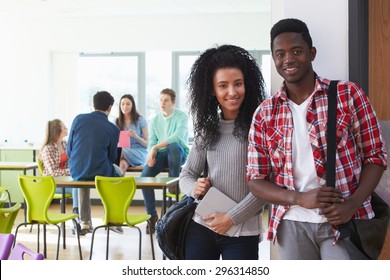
column 92, row 150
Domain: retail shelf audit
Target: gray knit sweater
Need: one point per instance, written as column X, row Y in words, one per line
column 227, row 169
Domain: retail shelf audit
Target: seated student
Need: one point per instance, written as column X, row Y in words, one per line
column 54, row 158
column 167, row 147
column 92, row 150
column 136, row 125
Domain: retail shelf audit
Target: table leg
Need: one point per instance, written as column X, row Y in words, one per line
column 63, row 209
column 44, row 241
column 177, row 192
column 164, row 210
column 24, row 202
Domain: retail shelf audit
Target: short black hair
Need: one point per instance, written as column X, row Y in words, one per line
column 102, row 100
column 291, row 25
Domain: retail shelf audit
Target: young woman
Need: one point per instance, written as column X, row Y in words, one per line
column 136, row 125
column 225, row 87
column 54, row 158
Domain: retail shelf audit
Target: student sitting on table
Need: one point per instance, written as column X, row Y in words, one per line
column 137, row 127
column 167, row 147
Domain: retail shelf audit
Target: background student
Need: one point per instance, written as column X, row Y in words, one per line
column 92, row 150
column 167, row 147
column 136, row 125
column 287, row 152
column 54, row 157
column 225, row 87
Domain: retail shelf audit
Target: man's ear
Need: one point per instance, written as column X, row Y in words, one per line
column 108, row 111
column 313, row 53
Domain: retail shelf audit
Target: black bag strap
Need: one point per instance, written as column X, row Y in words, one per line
column 206, row 169
column 331, row 135
column 348, row 228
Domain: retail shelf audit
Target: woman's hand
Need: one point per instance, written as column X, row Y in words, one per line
column 202, row 185
column 219, row 222
column 132, row 133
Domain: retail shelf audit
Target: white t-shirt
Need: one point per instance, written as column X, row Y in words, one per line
column 304, row 172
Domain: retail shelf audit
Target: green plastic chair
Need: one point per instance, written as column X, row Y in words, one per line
column 117, row 194
column 56, row 195
column 38, row 192
column 5, row 196
column 8, row 216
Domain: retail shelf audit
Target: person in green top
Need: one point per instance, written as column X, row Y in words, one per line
column 167, row 147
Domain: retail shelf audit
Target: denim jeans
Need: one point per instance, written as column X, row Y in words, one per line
column 173, row 158
column 204, row 244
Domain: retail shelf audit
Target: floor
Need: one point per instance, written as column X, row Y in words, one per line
column 122, row 246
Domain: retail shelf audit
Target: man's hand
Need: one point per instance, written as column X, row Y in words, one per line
column 151, row 159
column 320, row 197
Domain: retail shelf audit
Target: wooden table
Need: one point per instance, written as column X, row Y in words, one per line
column 16, row 165
column 141, row 182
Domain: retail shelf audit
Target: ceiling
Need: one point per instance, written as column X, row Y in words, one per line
column 82, row 8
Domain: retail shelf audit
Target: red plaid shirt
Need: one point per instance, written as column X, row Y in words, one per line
column 359, row 142
column 50, row 155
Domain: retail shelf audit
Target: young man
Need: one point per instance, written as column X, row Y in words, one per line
column 92, row 150
column 287, row 152
column 167, row 147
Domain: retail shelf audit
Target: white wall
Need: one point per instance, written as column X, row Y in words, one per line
column 28, row 44
column 328, row 25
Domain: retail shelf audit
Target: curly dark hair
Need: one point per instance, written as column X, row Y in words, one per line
column 205, row 108
column 291, row 25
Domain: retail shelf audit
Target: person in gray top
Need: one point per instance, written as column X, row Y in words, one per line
column 225, row 86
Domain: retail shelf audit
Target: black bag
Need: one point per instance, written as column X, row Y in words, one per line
column 171, row 229
column 364, row 239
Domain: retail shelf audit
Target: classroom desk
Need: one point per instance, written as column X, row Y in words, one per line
column 16, row 165
column 141, row 168
column 141, row 182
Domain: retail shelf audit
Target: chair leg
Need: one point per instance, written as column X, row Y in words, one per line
column 108, row 240
column 44, row 241
column 140, row 241
column 16, row 232
column 151, row 242
column 78, row 229
column 38, row 240
column 92, row 240
column 58, row 241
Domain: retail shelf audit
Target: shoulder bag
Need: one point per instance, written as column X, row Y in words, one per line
column 364, row 239
column 171, row 229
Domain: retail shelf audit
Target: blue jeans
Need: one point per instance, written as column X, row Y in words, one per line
column 204, row 244
column 75, row 195
column 173, row 158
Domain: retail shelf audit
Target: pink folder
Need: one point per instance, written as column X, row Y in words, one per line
column 124, row 140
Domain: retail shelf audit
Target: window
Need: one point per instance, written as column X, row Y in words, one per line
column 158, row 76
column 143, row 75
column 116, row 73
